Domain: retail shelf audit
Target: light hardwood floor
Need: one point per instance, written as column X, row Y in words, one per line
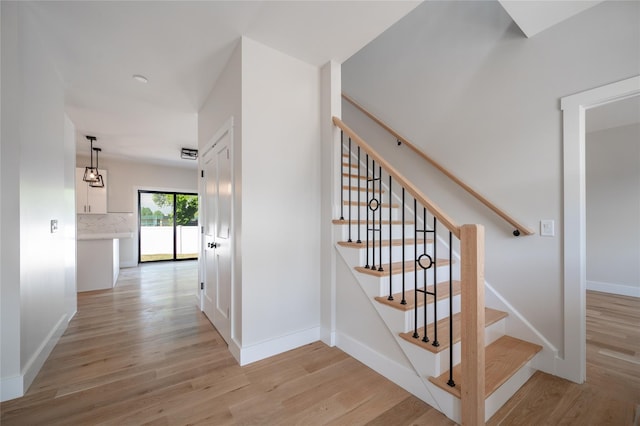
column 144, row 354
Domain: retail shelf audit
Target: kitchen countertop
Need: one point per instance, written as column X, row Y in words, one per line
column 104, row 236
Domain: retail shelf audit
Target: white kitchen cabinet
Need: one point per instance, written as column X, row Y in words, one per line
column 98, row 263
column 90, row 200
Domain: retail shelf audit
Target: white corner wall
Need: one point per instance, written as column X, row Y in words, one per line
column 613, row 210
column 224, row 102
column 11, row 384
column 39, row 273
column 280, row 201
column 460, row 81
column 331, row 106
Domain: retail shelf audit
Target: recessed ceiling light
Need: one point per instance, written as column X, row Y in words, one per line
column 140, row 78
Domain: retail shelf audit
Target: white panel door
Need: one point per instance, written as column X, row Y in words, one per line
column 217, row 235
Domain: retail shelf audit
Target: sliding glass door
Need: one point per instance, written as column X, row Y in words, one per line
column 168, row 226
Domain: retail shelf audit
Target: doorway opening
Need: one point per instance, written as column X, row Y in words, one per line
column 167, row 226
column 573, row 360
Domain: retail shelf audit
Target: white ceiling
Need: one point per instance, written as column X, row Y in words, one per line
column 536, row 16
column 181, row 47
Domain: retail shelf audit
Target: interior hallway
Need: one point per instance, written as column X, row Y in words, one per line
column 144, row 354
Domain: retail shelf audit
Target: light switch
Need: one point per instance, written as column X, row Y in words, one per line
column 54, row 225
column 547, row 228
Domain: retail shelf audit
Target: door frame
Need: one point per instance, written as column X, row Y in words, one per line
column 227, row 127
column 573, row 362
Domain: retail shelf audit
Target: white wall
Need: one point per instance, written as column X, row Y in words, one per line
column 224, row 102
column 613, row 210
column 10, row 367
column 124, row 180
column 460, row 81
column 275, row 102
column 40, row 277
column 280, row 194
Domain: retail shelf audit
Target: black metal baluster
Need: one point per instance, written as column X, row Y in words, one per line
column 359, row 190
column 341, row 175
column 373, row 215
column 367, row 215
column 379, row 206
column 390, row 244
column 435, row 343
column 415, row 273
column 404, row 301
column 350, row 190
column 425, row 311
column 450, row 382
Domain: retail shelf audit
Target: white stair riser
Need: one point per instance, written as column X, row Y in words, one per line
column 396, row 231
column 442, row 308
column 395, row 252
column 403, row 321
column 409, row 281
column 365, row 212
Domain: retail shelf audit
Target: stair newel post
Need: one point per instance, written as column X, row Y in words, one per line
column 390, row 242
column 415, row 273
column 472, row 325
column 404, row 300
column 342, row 175
column 350, row 188
column 366, row 229
column 359, row 241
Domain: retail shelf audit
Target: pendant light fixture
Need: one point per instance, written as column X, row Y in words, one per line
column 100, row 182
column 91, row 173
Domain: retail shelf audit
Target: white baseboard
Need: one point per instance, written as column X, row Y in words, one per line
column 328, row 337
column 37, row 360
column 16, row 386
column 128, row 264
column 404, row 377
column 11, row 387
column 619, row 289
column 259, row 351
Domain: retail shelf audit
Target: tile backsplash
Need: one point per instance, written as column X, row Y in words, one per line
column 105, row 223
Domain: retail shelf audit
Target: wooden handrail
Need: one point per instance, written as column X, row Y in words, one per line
column 404, row 182
column 520, row 228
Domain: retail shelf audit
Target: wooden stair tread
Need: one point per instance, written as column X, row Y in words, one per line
column 503, row 358
column 491, row 316
column 385, row 243
column 364, row 222
column 364, row 203
column 355, row 176
column 353, row 166
column 361, row 189
column 396, row 267
column 442, row 290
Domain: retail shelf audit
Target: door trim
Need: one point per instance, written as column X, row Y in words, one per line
column 573, row 362
column 227, row 127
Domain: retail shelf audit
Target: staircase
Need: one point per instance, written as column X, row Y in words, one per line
column 419, row 270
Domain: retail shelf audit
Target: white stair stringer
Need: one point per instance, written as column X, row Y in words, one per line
column 421, row 360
